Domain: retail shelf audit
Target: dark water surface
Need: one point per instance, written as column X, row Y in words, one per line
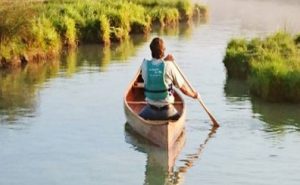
column 63, row 122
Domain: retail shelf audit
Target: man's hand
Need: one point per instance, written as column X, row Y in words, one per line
column 196, row 95
column 185, row 89
column 169, row 57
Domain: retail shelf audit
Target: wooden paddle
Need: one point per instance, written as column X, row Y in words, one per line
column 214, row 121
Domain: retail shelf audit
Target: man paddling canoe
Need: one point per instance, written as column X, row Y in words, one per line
column 160, row 76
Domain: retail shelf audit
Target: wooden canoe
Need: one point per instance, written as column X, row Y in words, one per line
column 162, row 132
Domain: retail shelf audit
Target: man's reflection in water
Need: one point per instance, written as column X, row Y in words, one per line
column 160, row 162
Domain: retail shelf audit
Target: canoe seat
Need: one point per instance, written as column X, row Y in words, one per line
column 178, row 102
column 144, row 102
column 136, row 102
column 138, row 85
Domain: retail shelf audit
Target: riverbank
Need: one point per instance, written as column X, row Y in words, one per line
column 271, row 66
column 39, row 30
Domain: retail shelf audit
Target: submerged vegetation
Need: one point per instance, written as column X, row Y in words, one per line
column 271, row 65
column 33, row 30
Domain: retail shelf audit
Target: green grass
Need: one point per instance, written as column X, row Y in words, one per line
column 271, row 65
column 164, row 16
column 34, row 28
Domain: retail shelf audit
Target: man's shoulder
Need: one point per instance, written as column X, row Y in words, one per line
column 170, row 65
column 145, row 61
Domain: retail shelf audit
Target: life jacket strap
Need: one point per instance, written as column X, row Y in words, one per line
column 158, row 91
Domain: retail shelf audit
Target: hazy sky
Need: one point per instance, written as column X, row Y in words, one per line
column 257, row 14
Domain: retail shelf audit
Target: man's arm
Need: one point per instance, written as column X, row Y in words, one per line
column 187, row 91
column 184, row 88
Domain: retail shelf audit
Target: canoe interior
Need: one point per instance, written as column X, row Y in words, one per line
column 136, row 98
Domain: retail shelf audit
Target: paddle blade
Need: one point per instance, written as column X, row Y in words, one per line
column 212, row 118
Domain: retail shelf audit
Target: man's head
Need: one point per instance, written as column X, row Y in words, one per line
column 157, row 47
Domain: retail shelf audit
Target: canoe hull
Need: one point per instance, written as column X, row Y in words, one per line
column 163, row 132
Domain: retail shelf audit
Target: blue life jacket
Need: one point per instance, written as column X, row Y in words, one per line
column 155, row 86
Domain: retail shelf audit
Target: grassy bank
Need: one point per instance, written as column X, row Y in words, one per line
column 37, row 30
column 271, row 65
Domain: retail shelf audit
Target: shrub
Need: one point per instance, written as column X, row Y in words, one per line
column 185, row 9
column 272, row 66
column 237, row 59
column 69, row 32
column 104, row 29
column 164, row 16
column 50, row 24
column 43, row 34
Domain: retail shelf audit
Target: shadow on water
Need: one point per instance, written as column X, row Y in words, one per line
column 95, row 55
column 19, row 87
column 160, row 164
column 236, row 90
column 279, row 117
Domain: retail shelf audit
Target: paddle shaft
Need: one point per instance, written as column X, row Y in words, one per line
column 214, row 121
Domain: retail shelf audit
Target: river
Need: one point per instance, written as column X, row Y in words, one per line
column 63, row 122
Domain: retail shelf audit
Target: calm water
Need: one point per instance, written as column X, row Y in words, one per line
column 63, row 122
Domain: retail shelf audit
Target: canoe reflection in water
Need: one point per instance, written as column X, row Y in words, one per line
column 160, row 164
